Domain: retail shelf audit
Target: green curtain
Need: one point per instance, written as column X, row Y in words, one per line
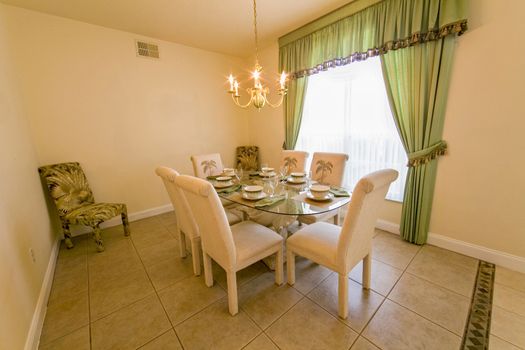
column 417, row 80
column 293, row 107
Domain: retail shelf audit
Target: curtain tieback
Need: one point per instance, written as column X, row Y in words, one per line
column 425, row 155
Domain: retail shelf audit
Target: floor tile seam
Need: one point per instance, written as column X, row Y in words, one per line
column 385, row 297
column 374, row 257
column 151, row 340
column 319, row 283
column 441, row 260
column 428, row 319
column 252, row 340
column 336, row 316
column 520, row 291
column 193, row 313
column 509, row 311
column 436, row 285
column 504, row 340
column 153, row 286
column 200, row 311
column 369, row 340
column 284, row 313
column 62, row 336
column 122, row 307
column 58, row 301
column 163, row 289
column 273, row 342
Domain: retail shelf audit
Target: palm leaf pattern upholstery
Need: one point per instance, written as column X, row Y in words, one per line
column 68, row 187
column 248, row 157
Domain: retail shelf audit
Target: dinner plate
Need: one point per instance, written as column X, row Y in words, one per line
column 223, row 185
column 296, row 181
column 260, row 196
column 328, row 197
column 272, row 174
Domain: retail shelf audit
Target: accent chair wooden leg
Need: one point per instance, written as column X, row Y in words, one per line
column 279, row 266
column 182, row 244
column 67, row 235
column 125, row 221
column 208, row 271
column 337, row 220
column 195, row 243
column 367, row 271
column 343, row 296
column 290, row 266
column 98, row 239
column 231, row 277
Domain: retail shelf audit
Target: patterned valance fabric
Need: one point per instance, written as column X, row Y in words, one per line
column 385, row 26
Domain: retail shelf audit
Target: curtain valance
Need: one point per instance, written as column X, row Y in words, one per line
column 375, row 30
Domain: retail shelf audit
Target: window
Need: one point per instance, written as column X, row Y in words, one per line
column 346, row 110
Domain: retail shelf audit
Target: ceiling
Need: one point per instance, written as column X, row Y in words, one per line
column 223, row 26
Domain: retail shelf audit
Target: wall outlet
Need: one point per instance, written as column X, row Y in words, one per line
column 32, row 254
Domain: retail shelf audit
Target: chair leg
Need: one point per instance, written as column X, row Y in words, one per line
column 125, row 221
column 279, row 266
column 182, row 243
column 231, row 277
column 367, row 271
column 290, row 266
column 67, row 235
column 336, row 219
column 98, row 239
column 195, row 256
column 208, row 270
column 343, row 296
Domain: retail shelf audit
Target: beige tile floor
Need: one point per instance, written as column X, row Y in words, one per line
column 140, row 294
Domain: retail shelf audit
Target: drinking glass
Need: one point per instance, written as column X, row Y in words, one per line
column 239, row 174
column 283, row 171
column 309, row 180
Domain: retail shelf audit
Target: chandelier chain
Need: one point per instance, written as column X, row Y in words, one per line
column 255, row 33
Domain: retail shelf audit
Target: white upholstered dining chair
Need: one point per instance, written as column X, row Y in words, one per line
column 328, row 169
column 295, row 161
column 186, row 226
column 340, row 249
column 205, row 165
column 233, row 248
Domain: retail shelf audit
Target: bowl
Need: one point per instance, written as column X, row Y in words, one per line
column 224, row 179
column 228, row 171
column 267, row 170
column 253, row 191
column 298, row 174
column 319, row 191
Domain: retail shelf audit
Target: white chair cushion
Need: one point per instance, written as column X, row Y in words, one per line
column 232, row 218
column 317, row 242
column 252, row 239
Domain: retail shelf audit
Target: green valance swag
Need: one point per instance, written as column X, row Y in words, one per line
column 415, row 41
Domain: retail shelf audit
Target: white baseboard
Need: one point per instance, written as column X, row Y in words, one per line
column 33, row 336
column 80, row 230
column 513, row 262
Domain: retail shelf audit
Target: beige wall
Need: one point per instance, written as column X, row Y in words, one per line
column 89, row 98
column 24, row 222
column 480, row 192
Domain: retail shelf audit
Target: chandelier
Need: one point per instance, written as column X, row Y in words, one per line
column 258, row 93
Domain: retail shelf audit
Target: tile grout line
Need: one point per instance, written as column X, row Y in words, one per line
column 385, row 298
column 155, row 290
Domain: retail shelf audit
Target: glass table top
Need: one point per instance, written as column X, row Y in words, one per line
column 296, row 201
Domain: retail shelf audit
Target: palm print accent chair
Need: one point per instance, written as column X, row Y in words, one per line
column 69, row 188
column 248, row 157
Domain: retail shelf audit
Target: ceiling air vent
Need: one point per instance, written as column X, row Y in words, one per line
column 147, row 50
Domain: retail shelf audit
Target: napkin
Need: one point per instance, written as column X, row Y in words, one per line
column 269, row 201
column 229, row 189
column 339, row 192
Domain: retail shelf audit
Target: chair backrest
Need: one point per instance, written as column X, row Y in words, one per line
column 185, row 219
column 216, row 236
column 247, row 157
column 329, row 168
column 358, row 228
column 207, row 164
column 67, row 185
column 294, row 160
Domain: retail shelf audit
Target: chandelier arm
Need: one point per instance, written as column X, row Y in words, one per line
column 278, row 104
column 236, row 101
